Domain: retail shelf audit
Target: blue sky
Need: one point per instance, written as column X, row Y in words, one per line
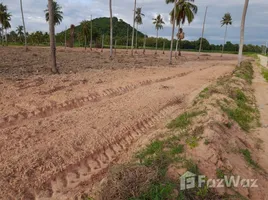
column 78, row 10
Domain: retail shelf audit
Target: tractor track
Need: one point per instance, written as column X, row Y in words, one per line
column 92, row 167
column 68, row 105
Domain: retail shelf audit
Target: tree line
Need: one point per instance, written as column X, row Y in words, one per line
column 183, row 11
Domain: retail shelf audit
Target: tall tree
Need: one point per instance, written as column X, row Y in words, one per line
column 24, row 27
column 138, row 20
column 185, row 11
column 111, row 30
column 226, row 20
column 85, row 32
column 173, row 28
column 6, row 26
column 54, row 68
column 133, row 30
column 242, row 32
column 5, row 17
column 57, row 13
column 158, row 22
column 19, row 31
column 91, row 28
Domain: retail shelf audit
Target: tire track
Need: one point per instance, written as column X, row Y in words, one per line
column 96, row 164
column 68, row 105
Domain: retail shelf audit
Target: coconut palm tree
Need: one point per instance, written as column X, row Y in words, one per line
column 85, row 31
column 111, row 29
column 24, row 27
column 242, row 32
column 173, row 28
column 133, row 29
column 158, row 22
column 19, row 31
column 5, row 17
column 138, row 20
column 226, row 20
column 3, row 10
column 51, row 18
column 57, row 13
column 185, row 11
column 6, row 26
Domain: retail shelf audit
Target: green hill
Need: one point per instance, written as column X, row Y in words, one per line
column 101, row 26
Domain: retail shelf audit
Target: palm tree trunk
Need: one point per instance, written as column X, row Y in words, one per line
column 2, row 35
column 91, row 34
column 242, row 32
column 144, row 44
column 102, row 43
column 224, row 40
column 203, row 30
column 137, row 36
column 85, row 42
column 24, row 27
column 133, row 30
column 54, row 68
column 6, row 38
column 173, row 30
column 127, row 38
column 164, row 47
column 111, row 30
column 176, row 51
column 177, row 43
column 179, row 47
column 156, row 46
column 65, row 38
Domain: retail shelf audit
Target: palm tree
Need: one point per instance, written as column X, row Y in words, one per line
column 158, row 21
column 6, row 26
column 24, row 27
column 133, row 29
column 5, row 17
column 242, row 32
column 226, row 20
column 51, row 17
column 84, row 25
column 173, row 28
column 138, row 20
column 111, row 30
column 3, row 10
column 19, row 31
column 185, row 10
column 57, row 13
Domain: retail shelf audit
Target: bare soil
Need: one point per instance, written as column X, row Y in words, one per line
column 60, row 133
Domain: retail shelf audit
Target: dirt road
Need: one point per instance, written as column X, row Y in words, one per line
column 58, row 134
column 261, row 93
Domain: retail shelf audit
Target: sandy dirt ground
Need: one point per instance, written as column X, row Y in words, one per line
column 261, row 93
column 60, row 133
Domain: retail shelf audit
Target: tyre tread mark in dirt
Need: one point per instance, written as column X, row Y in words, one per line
column 98, row 162
column 68, row 105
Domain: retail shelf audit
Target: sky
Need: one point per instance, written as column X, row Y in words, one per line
column 75, row 11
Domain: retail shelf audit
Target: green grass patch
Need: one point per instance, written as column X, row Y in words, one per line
column 265, row 73
column 245, row 71
column 184, row 120
column 157, row 191
column 192, row 141
column 247, row 156
column 244, row 113
column 220, row 173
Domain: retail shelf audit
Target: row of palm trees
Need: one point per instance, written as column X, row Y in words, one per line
column 183, row 10
column 5, row 18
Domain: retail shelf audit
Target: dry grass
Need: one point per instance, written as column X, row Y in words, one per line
column 126, row 181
